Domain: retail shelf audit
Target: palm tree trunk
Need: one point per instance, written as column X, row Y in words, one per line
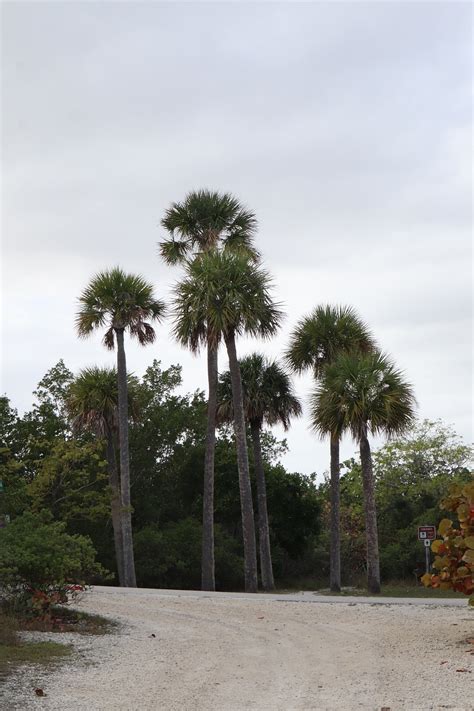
column 373, row 566
column 335, row 560
column 128, row 559
column 266, row 569
column 115, row 504
column 208, row 567
column 246, row 505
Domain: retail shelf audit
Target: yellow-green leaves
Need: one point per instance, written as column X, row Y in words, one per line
column 444, row 526
column 454, row 552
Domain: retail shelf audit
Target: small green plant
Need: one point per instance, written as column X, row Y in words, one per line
column 454, row 551
column 41, row 565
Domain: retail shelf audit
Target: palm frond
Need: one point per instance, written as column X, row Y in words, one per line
column 92, row 400
column 267, row 389
column 174, row 251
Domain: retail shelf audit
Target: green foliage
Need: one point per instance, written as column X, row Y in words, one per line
column 170, row 556
column 92, row 400
column 412, row 474
column 14, row 498
column 267, row 390
column 40, row 564
column 71, row 482
column 454, row 550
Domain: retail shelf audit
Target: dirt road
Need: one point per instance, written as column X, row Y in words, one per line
column 226, row 653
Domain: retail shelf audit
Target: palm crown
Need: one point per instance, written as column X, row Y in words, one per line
column 326, row 332
column 362, row 392
column 92, row 401
column 222, row 294
column 120, row 301
column 204, row 220
column 268, row 393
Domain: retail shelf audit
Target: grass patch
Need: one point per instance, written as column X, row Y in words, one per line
column 64, row 619
column 31, row 652
column 14, row 651
column 397, row 588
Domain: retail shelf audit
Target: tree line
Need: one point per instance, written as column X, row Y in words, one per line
column 53, row 471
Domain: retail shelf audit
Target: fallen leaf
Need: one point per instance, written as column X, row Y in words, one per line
column 445, row 662
column 261, row 618
column 39, row 692
column 464, row 670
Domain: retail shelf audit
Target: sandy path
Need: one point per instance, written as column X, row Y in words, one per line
column 225, row 654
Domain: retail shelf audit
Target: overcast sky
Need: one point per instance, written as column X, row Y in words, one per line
column 346, row 127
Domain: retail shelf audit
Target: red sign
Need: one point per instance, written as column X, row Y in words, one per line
column 426, row 533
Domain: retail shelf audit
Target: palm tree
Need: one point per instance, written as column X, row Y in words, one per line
column 364, row 393
column 121, row 302
column 316, row 341
column 207, row 220
column 223, row 296
column 92, row 405
column 268, row 397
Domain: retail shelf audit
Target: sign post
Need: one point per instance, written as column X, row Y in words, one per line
column 427, row 534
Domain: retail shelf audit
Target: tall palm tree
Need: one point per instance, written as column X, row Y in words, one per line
column 223, row 296
column 203, row 221
column 121, row 302
column 316, row 341
column 364, row 393
column 268, row 397
column 92, row 405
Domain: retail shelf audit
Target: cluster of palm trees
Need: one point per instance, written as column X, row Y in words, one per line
column 223, row 294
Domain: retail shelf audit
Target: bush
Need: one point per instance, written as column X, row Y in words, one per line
column 171, row 557
column 454, row 552
column 41, row 565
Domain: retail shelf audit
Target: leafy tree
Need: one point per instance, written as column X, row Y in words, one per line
column 223, row 296
column 268, row 396
column 412, row 473
column 207, row 220
column 121, row 302
column 71, row 483
column 51, row 392
column 40, row 563
column 364, row 393
column 166, row 449
column 170, row 556
column 8, row 425
column 317, row 341
column 14, row 498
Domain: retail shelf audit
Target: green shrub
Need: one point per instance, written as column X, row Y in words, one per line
column 171, row 557
column 42, row 565
column 454, row 549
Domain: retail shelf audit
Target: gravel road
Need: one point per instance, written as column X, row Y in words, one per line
column 180, row 652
